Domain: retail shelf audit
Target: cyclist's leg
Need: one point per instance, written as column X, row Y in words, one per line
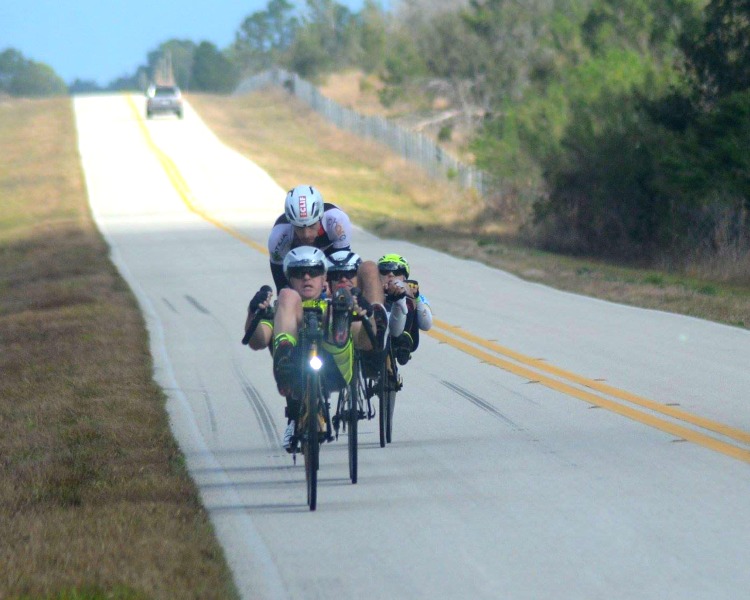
column 288, row 315
column 369, row 280
column 405, row 344
column 285, row 327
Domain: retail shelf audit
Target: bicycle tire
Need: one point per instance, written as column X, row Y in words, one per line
column 312, row 445
column 352, row 408
column 390, row 369
column 382, row 393
column 391, row 406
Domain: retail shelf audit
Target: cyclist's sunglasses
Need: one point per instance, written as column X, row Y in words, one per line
column 336, row 275
column 391, row 267
column 300, row 272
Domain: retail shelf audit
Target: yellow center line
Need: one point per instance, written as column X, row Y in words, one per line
column 188, row 199
column 179, row 183
column 671, row 411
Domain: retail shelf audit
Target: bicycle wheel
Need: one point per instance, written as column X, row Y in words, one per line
column 390, row 392
column 311, row 450
column 352, row 407
column 383, row 403
column 391, row 403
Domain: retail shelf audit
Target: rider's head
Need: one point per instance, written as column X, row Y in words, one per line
column 305, row 268
column 342, row 269
column 393, row 266
column 304, row 209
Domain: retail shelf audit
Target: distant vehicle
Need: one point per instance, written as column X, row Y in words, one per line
column 163, row 99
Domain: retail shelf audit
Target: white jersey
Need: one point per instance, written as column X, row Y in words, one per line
column 334, row 234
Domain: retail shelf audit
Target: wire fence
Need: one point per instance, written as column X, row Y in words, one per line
column 412, row 146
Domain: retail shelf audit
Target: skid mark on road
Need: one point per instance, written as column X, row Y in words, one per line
column 480, row 403
column 260, row 408
column 197, row 305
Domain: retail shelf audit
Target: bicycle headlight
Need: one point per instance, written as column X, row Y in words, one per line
column 315, row 362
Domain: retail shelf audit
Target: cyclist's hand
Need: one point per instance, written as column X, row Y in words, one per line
column 357, row 308
column 361, row 305
column 396, row 290
column 413, row 287
column 261, row 300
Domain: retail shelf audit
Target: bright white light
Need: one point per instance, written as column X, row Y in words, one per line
column 316, row 363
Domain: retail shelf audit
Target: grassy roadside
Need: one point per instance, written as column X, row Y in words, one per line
column 395, row 200
column 95, row 501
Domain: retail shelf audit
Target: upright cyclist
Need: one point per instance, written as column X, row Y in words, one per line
column 309, row 221
column 394, row 273
column 305, row 269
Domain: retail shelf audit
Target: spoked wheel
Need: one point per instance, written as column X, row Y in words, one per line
column 352, row 408
column 311, row 452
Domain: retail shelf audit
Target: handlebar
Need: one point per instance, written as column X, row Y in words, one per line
column 251, row 329
column 261, row 296
column 364, row 317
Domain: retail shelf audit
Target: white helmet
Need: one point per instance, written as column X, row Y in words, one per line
column 303, row 206
column 343, row 261
column 305, row 258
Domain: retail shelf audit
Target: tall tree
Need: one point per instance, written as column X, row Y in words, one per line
column 263, row 36
column 720, row 56
column 212, row 71
column 328, row 39
column 372, row 33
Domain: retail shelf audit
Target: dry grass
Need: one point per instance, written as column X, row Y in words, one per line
column 355, row 90
column 95, row 501
column 397, row 200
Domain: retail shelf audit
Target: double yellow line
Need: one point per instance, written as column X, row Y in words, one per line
column 538, row 371
column 535, row 370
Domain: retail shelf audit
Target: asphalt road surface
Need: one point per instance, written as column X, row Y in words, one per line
column 545, row 445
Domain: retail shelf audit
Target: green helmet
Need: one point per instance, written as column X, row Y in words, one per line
column 393, row 263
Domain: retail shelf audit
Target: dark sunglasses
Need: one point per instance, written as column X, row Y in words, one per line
column 300, row 272
column 336, row 275
column 394, row 268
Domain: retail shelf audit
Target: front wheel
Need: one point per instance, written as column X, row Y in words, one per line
column 354, row 400
column 352, row 423
column 311, row 449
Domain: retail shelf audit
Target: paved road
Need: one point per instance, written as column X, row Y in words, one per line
column 546, row 445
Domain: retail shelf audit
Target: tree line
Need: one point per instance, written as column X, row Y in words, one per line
column 20, row 76
column 613, row 127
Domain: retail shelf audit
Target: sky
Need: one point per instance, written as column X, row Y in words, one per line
column 101, row 40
